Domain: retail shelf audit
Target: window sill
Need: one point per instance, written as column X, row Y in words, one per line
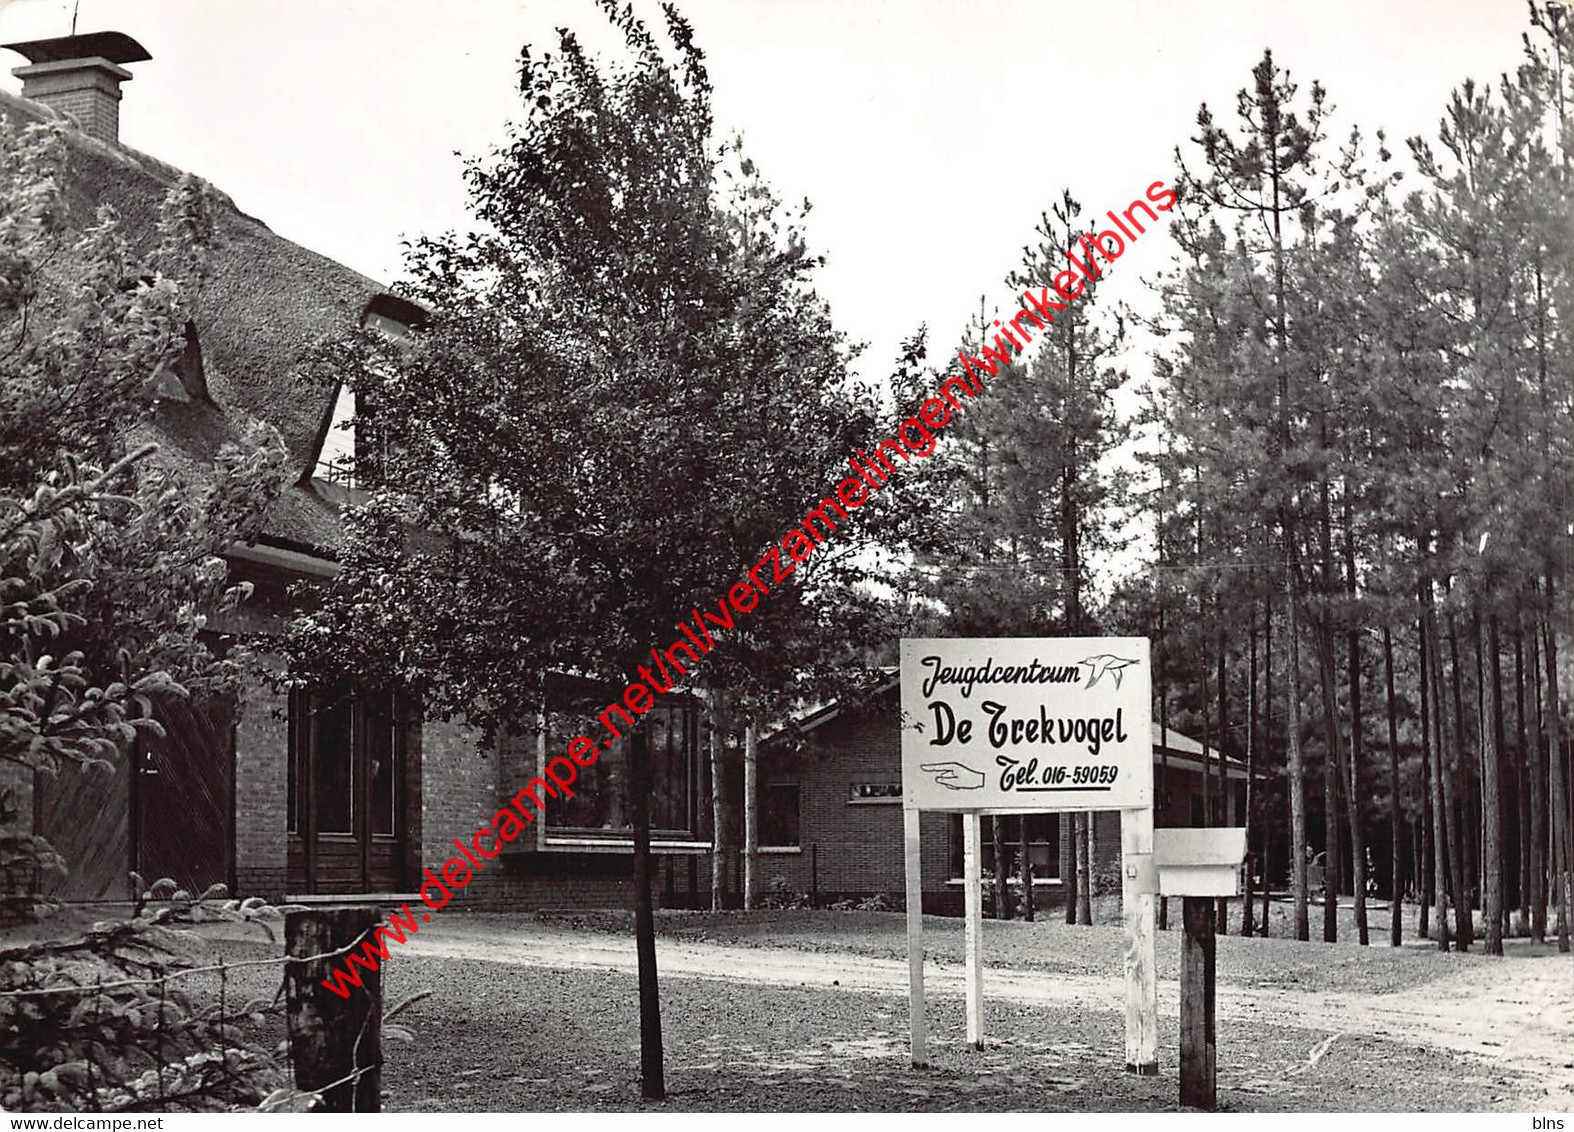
column 622, row 845
column 780, row 850
column 1046, row 882
column 874, row 801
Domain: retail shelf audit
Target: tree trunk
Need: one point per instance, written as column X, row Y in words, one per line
column 1068, row 864
column 1396, row 874
column 1222, row 906
column 1522, row 778
column 1489, row 704
column 1084, row 868
column 1332, row 870
column 1463, row 904
column 1025, row 869
column 1267, row 702
column 1002, row 894
column 1251, row 770
column 1296, row 770
column 1562, row 826
column 718, row 809
column 751, row 815
column 1538, row 798
column 1353, row 793
column 1435, row 772
column 653, row 1084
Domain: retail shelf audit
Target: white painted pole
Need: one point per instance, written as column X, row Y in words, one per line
column 918, row 1027
column 974, row 929
column 1137, row 897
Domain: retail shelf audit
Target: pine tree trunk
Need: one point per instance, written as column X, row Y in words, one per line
column 1463, row 904
column 1068, row 864
column 1396, row 874
column 1353, row 794
column 1332, row 870
column 1297, row 772
column 1267, row 702
column 1353, row 790
column 1435, row 772
column 1538, row 799
column 1002, row 897
column 1222, row 906
column 653, row 1085
column 1506, row 791
column 1026, row 870
column 1084, row 834
column 718, row 809
column 1562, row 825
column 1489, row 705
column 1522, row 778
column 1247, row 926
column 751, row 815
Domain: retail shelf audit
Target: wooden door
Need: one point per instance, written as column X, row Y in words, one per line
column 348, row 792
column 183, row 801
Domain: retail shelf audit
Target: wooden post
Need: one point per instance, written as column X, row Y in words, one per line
column 973, row 903
column 918, row 1028
column 333, row 1038
column 1198, row 1066
column 1142, row 992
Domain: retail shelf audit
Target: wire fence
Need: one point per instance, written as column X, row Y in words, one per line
column 129, row 1017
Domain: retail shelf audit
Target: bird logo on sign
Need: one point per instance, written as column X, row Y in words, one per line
column 1105, row 662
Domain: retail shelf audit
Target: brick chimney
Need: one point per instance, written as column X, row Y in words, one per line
column 80, row 75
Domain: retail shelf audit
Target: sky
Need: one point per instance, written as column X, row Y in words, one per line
column 929, row 135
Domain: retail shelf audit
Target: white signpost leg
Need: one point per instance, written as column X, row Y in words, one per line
column 1137, row 897
column 918, row 1028
column 974, row 929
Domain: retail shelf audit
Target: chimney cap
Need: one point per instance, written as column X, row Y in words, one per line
column 116, row 46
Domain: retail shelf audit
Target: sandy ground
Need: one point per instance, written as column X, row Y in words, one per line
column 1517, row 1014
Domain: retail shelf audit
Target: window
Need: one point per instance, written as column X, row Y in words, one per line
column 601, row 791
column 1043, row 836
column 779, row 815
column 1197, row 820
column 874, row 793
column 336, row 458
column 381, row 737
column 334, row 759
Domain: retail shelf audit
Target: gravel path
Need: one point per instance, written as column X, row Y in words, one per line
column 1517, row 1014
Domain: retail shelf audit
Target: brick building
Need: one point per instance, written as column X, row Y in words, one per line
column 831, row 813
column 340, row 790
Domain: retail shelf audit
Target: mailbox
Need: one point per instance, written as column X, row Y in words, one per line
column 1199, row 862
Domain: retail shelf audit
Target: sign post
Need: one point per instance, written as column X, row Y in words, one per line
column 1022, row 725
column 1199, row 865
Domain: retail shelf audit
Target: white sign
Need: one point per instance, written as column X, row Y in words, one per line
column 1027, row 724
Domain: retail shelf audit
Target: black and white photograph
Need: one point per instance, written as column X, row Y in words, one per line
column 600, row 557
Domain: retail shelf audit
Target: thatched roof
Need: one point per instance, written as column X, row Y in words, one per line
column 266, row 301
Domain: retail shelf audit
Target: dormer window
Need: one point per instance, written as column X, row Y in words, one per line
column 336, row 458
column 185, row 379
column 347, row 457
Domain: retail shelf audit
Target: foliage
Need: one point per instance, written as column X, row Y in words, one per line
column 109, row 563
column 779, row 893
column 140, row 1038
column 628, row 389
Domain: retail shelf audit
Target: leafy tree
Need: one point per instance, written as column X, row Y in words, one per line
column 627, row 392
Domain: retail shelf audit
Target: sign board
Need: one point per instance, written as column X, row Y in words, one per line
column 1010, row 725
column 1026, row 724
